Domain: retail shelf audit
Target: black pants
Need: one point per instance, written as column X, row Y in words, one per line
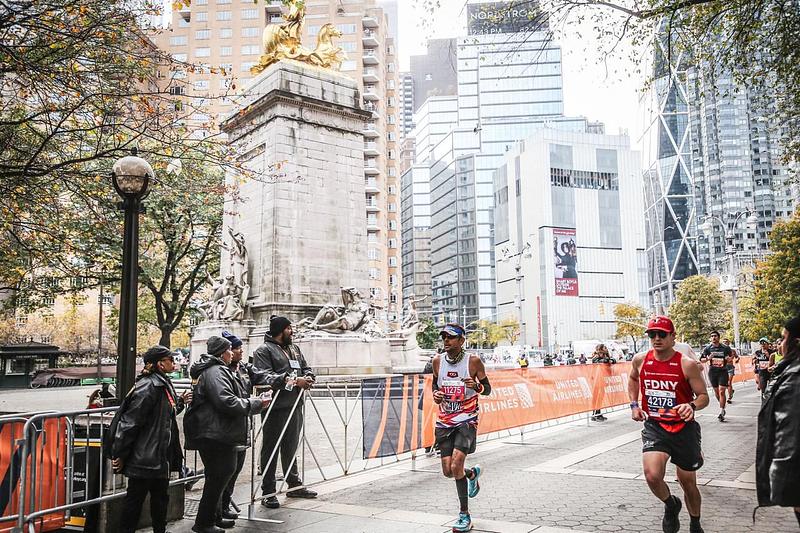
column 227, row 494
column 288, row 446
column 219, row 461
column 137, row 492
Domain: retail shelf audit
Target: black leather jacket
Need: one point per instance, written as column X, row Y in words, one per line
column 272, row 358
column 220, row 407
column 778, row 444
column 146, row 437
column 247, row 377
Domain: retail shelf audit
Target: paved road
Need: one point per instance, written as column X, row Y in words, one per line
column 577, row 477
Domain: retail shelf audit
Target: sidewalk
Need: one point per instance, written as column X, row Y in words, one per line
column 577, row 477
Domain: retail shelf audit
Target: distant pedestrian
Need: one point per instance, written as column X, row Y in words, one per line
column 146, row 446
column 778, row 441
column 582, row 359
column 215, row 425
column 601, row 356
column 523, row 360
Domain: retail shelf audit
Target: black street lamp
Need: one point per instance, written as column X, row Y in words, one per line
column 130, row 175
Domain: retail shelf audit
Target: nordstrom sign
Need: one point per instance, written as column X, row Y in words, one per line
column 505, row 17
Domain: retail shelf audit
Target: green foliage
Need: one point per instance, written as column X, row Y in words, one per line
column 428, row 334
column 631, row 321
column 510, row 329
column 776, row 295
column 486, row 334
column 700, row 308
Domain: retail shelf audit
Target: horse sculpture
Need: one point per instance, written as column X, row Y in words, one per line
column 282, row 41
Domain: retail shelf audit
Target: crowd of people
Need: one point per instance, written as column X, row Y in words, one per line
column 666, row 388
column 144, row 441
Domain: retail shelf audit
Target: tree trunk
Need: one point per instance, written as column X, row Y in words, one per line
column 635, row 345
column 166, row 333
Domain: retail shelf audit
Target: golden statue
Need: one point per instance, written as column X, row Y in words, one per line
column 283, row 41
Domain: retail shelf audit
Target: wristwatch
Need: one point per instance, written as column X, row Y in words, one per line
column 693, row 406
column 634, row 405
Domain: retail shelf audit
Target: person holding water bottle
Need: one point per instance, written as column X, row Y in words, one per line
column 287, row 369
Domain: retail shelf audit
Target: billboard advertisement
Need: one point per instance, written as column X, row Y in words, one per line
column 505, row 17
column 565, row 257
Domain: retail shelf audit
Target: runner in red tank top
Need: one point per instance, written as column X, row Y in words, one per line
column 670, row 387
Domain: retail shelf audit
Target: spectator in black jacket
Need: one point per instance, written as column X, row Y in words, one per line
column 215, row 425
column 146, row 445
column 290, row 375
column 778, row 442
column 601, row 356
column 247, row 376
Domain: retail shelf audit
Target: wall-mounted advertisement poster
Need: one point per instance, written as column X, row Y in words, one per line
column 565, row 255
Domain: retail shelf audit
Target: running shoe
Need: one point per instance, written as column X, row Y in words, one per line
column 473, row 487
column 464, row 523
column 670, row 523
column 721, row 416
column 696, row 528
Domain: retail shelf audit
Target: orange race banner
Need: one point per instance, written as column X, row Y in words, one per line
column 399, row 415
column 50, row 458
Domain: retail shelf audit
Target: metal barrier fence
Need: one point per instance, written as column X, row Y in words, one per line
column 334, row 419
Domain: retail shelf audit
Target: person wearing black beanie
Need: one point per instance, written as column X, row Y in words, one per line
column 290, row 375
column 778, row 441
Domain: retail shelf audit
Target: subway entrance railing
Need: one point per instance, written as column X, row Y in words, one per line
column 52, row 471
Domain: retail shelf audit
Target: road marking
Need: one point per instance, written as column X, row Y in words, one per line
column 748, row 476
column 565, row 461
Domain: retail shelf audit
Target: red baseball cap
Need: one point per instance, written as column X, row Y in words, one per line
column 660, row 323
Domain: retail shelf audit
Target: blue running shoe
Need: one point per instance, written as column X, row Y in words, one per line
column 473, row 487
column 464, row 523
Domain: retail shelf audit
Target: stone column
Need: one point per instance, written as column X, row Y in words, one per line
column 304, row 218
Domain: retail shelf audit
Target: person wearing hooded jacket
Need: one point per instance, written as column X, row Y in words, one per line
column 215, row 425
column 778, row 441
column 282, row 359
column 146, row 446
column 247, row 377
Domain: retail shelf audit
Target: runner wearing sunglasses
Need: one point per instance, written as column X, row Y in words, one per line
column 717, row 355
column 670, row 387
column 458, row 379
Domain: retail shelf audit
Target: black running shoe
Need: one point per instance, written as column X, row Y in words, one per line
column 696, row 528
column 670, row 523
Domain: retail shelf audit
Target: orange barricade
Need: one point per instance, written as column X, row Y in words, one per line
column 48, row 452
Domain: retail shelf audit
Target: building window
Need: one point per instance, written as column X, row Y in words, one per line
column 392, row 207
column 178, row 40
column 392, row 225
column 392, row 171
column 201, row 16
column 392, row 261
column 245, row 67
column 251, row 32
column 223, row 15
column 390, row 67
column 392, row 243
column 346, row 29
column 393, row 280
column 393, row 298
column 391, row 189
column 202, row 35
column 249, row 14
column 372, row 254
column 201, row 85
column 390, row 154
column 313, row 30
column 223, row 1
column 201, row 2
column 226, row 33
column 391, row 136
column 49, row 300
column 107, row 299
column 250, row 49
column 226, row 51
column 374, row 274
column 391, row 101
column 348, row 66
column 180, row 57
column 392, row 119
column 202, row 52
column 177, row 90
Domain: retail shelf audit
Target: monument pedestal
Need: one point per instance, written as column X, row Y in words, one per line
column 240, row 328
column 299, row 129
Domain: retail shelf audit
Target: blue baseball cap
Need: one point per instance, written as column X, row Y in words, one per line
column 452, row 329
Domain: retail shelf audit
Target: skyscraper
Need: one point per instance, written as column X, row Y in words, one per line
column 711, row 151
column 220, row 41
column 509, row 85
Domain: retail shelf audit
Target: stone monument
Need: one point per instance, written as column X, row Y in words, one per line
column 297, row 223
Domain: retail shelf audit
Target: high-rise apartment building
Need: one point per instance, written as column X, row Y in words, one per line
column 221, row 39
column 711, row 151
column 407, row 103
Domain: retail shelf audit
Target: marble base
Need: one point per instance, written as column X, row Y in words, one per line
column 202, row 332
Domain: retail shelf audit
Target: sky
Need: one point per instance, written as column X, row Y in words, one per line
column 590, row 89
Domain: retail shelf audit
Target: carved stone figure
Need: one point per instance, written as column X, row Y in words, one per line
column 351, row 316
column 410, row 314
column 283, row 41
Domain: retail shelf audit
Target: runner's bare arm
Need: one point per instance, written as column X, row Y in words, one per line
column 695, row 378
column 633, row 388
column 477, row 376
column 438, row 395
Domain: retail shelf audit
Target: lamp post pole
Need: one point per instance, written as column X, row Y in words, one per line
column 730, row 250
column 130, row 176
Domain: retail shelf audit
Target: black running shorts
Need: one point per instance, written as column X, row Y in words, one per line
column 463, row 438
column 718, row 377
column 683, row 447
